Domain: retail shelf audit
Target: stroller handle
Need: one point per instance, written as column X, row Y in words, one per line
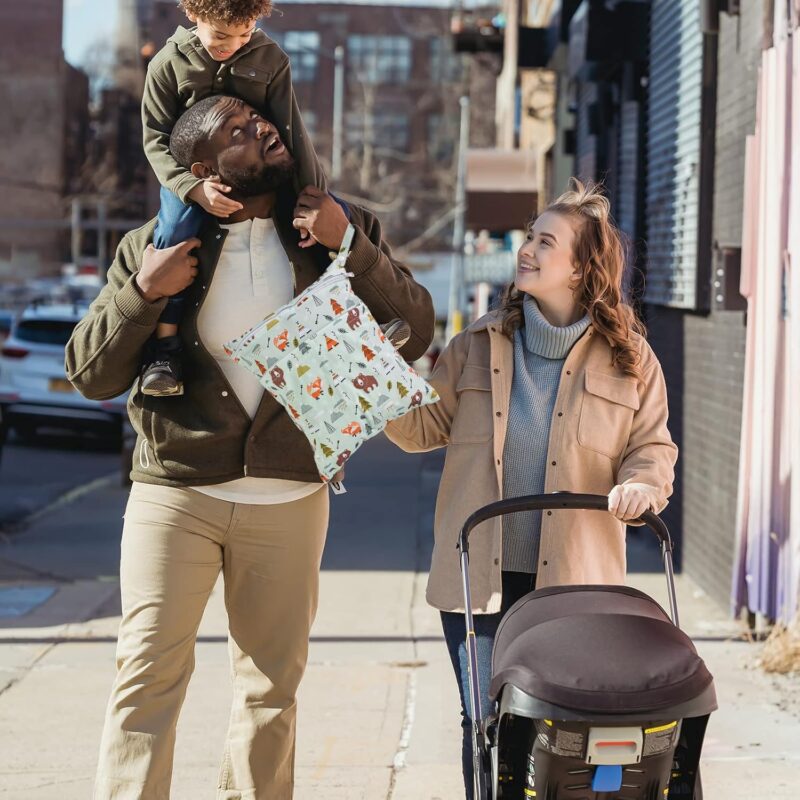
column 535, row 502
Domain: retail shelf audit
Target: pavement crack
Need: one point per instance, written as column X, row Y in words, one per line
column 27, row 669
column 409, row 712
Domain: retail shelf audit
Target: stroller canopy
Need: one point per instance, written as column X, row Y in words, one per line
column 605, row 649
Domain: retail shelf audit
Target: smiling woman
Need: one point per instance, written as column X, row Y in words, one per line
column 555, row 391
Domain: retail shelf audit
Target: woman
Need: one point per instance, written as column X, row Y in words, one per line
column 555, row 390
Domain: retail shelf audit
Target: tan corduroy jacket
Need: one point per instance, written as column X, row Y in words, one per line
column 607, row 429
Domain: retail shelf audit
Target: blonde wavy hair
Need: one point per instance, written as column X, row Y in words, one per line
column 599, row 258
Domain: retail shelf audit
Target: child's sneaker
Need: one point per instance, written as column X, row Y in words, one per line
column 398, row 332
column 162, row 374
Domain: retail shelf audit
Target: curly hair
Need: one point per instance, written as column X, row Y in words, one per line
column 231, row 12
column 599, row 258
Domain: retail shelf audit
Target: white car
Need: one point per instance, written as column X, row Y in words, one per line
column 34, row 390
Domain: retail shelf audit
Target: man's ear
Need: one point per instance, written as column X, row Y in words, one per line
column 192, row 17
column 203, row 171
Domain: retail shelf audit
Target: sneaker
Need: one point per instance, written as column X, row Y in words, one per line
column 398, row 332
column 162, row 376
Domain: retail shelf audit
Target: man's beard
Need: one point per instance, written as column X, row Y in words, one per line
column 258, row 180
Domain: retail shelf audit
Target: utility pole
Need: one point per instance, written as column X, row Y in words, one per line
column 456, row 303
column 77, row 232
column 505, row 107
column 102, row 236
column 338, row 112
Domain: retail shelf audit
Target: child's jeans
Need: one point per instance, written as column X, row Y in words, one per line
column 515, row 586
column 177, row 222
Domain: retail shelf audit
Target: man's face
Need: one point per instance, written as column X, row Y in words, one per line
column 220, row 39
column 246, row 150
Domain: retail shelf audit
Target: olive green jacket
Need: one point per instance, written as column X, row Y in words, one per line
column 183, row 72
column 206, row 436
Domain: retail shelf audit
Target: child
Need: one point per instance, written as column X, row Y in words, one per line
column 224, row 54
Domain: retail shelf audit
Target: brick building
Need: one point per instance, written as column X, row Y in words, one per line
column 656, row 99
column 43, row 130
column 402, row 84
column 703, row 353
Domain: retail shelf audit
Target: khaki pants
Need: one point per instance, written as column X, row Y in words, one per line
column 174, row 543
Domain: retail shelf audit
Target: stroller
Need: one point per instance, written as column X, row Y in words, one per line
column 598, row 694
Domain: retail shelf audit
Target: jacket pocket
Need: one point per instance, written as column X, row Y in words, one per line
column 251, row 73
column 473, row 418
column 607, row 408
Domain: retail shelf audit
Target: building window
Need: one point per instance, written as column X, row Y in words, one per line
column 379, row 59
column 446, row 66
column 384, row 130
column 442, row 134
column 310, row 122
column 302, row 47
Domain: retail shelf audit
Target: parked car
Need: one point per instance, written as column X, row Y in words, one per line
column 34, row 390
column 6, row 321
column 2, row 434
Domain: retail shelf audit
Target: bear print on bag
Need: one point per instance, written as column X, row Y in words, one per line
column 276, row 373
column 366, row 383
column 353, row 319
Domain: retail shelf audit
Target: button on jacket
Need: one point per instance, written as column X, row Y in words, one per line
column 205, row 436
column 607, row 428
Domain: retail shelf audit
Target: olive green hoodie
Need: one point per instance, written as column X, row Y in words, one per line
column 206, row 436
column 183, row 72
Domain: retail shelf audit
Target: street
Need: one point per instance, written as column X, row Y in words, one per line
column 378, row 707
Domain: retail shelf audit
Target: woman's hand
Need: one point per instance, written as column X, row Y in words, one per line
column 630, row 500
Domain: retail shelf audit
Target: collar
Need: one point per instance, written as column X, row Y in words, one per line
column 546, row 340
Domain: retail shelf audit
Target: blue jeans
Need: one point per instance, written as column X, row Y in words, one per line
column 515, row 586
column 177, row 222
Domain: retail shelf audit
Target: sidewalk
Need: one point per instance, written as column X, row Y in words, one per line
column 378, row 707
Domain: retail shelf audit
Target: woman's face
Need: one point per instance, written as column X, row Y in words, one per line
column 544, row 262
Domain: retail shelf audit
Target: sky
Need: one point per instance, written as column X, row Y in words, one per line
column 85, row 21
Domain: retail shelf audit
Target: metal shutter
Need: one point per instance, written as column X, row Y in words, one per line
column 673, row 150
column 628, row 168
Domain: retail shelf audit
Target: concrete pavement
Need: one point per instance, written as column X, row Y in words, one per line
column 378, row 707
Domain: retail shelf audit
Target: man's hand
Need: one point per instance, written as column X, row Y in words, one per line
column 630, row 500
column 211, row 196
column 166, row 272
column 319, row 214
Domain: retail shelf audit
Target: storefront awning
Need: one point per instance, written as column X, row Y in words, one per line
column 502, row 188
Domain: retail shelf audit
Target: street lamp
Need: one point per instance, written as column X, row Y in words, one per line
column 456, row 303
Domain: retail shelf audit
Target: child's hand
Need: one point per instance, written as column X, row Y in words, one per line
column 319, row 218
column 630, row 500
column 211, row 196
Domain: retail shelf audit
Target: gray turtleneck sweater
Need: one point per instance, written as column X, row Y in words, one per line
column 540, row 350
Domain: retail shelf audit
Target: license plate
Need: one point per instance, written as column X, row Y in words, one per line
column 60, row 385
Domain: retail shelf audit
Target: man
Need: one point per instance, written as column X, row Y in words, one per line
column 222, row 479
